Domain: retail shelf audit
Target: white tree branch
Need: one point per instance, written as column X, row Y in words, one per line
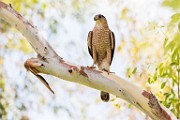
column 48, row 62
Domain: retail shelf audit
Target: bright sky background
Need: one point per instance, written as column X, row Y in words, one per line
column 78, row 102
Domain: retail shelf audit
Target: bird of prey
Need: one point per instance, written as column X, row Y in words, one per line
column 101, row 44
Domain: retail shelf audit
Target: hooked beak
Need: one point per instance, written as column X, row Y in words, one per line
column 96, row 17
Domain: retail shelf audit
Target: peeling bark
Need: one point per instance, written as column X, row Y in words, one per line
column 156, row 108
column 48, row 62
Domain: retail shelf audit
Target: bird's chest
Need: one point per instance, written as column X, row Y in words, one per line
column 101, row 40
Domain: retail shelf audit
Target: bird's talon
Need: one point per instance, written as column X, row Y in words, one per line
column 107, row 71
column 91, row 67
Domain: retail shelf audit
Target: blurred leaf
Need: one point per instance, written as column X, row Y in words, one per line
column 128, row 73
column 177, row 41
column 3, row 107
column 124, row 13
column 10, row 44
column 178, row 107
column 2, row 84
column 25, row 46
column 112, row 100
column 163, row 84
column 167, row 89
column 173, row 24
column 1, row 60
column 117, row 105
column 174, row 57
column 149, row 80
column 169, row 47
column 165, row 42
column 173, row 44
column 134, row 70
column 4, row 26
column 155, row 77
column 53, row 26
column 55, row 109
column 44, row 6
column 172, row 110
column 167, row 94
column 174, row 64
column 130, row 105
column 175, row 4
column 172, row 92
column 168, row 105
column 175, row 18
column 122, row 45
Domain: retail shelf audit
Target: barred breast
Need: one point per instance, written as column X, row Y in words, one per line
column 101, row 42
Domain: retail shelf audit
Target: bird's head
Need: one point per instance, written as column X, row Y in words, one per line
column 100, row 20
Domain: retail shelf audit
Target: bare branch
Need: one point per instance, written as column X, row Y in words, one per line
column 48, row 62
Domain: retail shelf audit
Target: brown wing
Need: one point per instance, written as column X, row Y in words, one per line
column 89, row 40
column 112, row 40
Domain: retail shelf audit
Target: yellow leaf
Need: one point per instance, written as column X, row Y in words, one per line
column 122, row 45
column 25, row 46
column 1, row 60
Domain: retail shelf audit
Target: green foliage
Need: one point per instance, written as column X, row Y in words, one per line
column 20, row 4
column 130, row 106
column 134, row 70
column 168, row 71
column 175, row 18
column 117, row 105
column 3, row 26
column 163, row 84
column 130, row 72
column 3, row 107
column 173, row 46
column 175, row 4
column 3, row 101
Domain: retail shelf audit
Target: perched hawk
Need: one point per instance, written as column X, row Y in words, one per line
column 101, row 44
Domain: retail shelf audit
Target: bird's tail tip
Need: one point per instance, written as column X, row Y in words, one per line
column 105, row 96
